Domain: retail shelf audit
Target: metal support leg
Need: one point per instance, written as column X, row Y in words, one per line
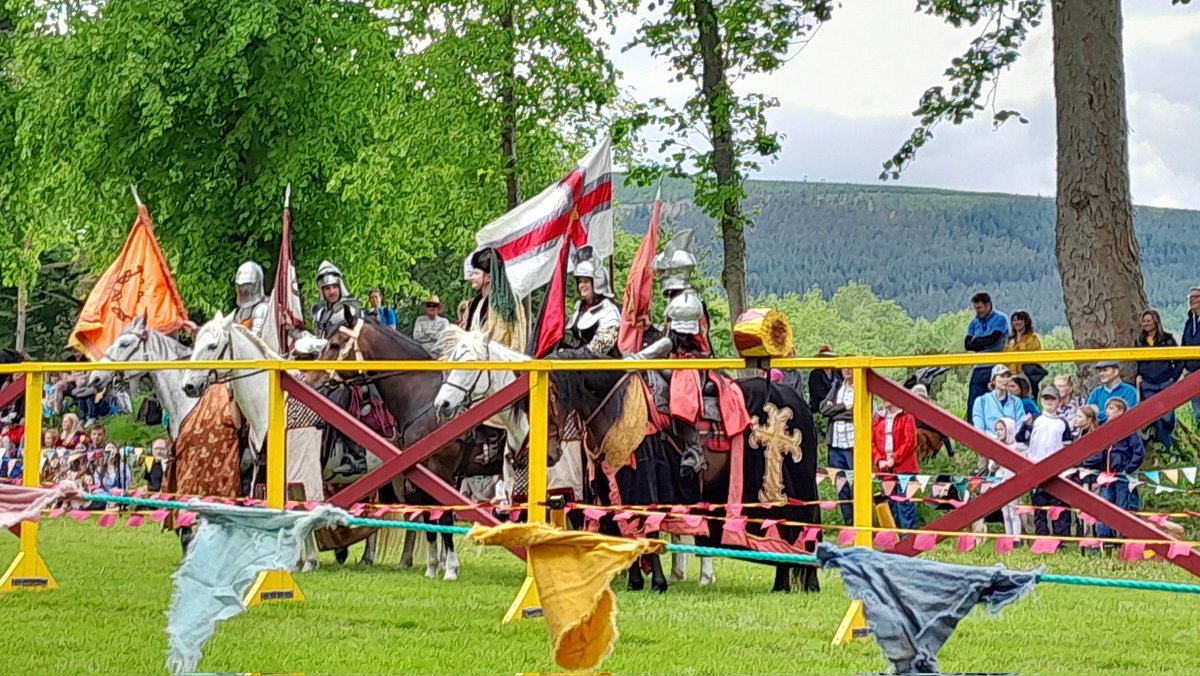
column 28, row 570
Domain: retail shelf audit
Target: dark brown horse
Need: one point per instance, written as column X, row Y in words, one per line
column 596, row 398
column 408, row 396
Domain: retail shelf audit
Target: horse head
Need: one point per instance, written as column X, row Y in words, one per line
column 348, row 343
column 463, row 387
column 213, row 343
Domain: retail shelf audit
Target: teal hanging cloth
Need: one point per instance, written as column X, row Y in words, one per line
column 232, row 546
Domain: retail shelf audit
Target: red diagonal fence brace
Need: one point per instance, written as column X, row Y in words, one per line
column 407, row 461
column 9, row 394
column 1029, row 475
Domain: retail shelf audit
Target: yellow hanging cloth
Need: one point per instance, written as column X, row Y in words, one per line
column 573, row 571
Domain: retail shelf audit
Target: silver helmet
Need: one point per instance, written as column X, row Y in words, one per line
column 676, row 262
column 590, row 266
column 249, row 283
column 328, row 274
column 684, row 312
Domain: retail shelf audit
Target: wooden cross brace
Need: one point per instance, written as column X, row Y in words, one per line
column 1029, row 475
column 407, row 461
column 14, row 389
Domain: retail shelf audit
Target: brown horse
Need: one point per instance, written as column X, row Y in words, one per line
column 408, row 396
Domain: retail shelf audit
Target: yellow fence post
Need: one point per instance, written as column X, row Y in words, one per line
column 853, row 624
column 28, row 570
column 275, row 585
column 527, row 603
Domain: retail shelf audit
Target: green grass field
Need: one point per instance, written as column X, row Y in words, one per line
column 107, row 617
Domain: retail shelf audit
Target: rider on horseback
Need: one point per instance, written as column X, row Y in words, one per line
column 252, row 303
column 330, row 312
column 596, row 319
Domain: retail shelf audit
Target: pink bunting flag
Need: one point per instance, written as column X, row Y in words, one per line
column 515, row 515
column 358, row 508
column 1090, row 543
column 899, row 498
column 654, row 522
column 594, row 513
column 138, row 493
column 737, row 525
column 692, row 520
column 1055, row 512
column 159, row 515
column 1044, row 545
column 886, row 539
column 1004, row 545
column 964, row 544
column 57, row 512
column 703, row 505
column 1086, row 518
column 185, row 519
column 378, row 513
column 435, row 514
column 925, row 542
column 310, row 505
column 846, row 537
column 623, row 516
column 956, row 503
column 809, row 534
column 1157, row 519
column 1178, row 549
column 1026, row 509
column 78, row 514
column 1133, row 551
column 827, row 504
column 679, row 509
column 107, row 519
column 134, row 520
column 767, row 523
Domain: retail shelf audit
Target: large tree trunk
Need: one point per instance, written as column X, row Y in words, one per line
column 508, row 103
column 22, row 311
column 715, row 89
column 1096, row 248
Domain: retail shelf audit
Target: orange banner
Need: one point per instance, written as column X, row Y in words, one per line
column 137, row 282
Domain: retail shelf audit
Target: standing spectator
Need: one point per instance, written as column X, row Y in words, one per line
column 1024, row 339
column 996, row 404
column 1191, row 337
column 1154, row 376
column 1068, row 401
column 376, row 308
column 1020, row 386
column 985, row 333
column 1121, row 459
column 1006, row 434
column 115, row 475
column 428, row 328
column 1111, row 385
column 72, row 436
column 158, row 466
column 821, row 381
column 894, row 450
column 1044, row 437
column 838, row 406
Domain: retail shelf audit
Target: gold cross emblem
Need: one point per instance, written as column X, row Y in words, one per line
column 776, row 442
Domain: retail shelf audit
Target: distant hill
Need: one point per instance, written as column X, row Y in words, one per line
column 927, row 249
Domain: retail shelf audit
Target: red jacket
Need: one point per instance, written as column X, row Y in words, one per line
column 904, row 443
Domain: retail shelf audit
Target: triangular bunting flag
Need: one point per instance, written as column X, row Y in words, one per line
column 1171, row 475
column 923, row 480
column 1189, row 473
column 904, row 479
column 1152, row 476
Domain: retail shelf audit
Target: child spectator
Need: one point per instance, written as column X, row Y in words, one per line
column 894, row 451
column 115, row 476
column 1121, row 459
column 1086, row 420
column 1006, row 433
column 1020, row 386
column 1045, row 436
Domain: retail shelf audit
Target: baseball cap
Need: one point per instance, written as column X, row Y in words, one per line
column 1000, row 370
column 1108, row 364
column 1050, row 391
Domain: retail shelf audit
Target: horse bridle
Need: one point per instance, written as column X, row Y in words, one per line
column 469, row 391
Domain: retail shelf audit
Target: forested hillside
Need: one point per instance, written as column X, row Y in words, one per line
column 927, row 249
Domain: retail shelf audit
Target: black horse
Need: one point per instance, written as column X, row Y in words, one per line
column 596, row 399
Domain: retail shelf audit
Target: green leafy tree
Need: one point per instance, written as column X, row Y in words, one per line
column 714, row 46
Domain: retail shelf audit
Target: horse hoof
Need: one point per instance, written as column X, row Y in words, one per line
column 660, row 587
column 706, row 580
column 451, row 575
column 366, row 562
column 341, row 555
column 308, row 567
column 403, row 565
column 678, row 576
column 431, row 573
column 636, row 586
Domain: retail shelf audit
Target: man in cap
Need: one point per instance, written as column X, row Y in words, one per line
column 596, row 319
column 330, row 312
column 377, row 310
column 428, row 328
column 1111, row 385
column 252, row 304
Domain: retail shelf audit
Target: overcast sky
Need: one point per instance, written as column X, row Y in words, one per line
column 846, row 102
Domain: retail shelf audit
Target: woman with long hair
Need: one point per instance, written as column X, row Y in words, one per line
column 72, row 436
column 1155, row 376
column 1024, row 338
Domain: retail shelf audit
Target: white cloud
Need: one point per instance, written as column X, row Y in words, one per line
column 847, row 101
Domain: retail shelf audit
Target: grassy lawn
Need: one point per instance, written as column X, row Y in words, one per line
column 107, row 617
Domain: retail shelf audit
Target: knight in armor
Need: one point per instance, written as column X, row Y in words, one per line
column 596, row 320
column 329, row 313
column 252, row 304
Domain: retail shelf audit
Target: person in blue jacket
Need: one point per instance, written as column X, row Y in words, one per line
column 1111, row 385
column 986, row 333
column 1123, row 459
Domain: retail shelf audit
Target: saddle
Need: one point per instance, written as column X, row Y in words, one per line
column 710, row 422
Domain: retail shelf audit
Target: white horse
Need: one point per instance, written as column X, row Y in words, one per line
column 224, row 339
column 464, row 388
column 138, row 343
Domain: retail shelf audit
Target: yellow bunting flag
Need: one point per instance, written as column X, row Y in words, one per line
column 573, row 571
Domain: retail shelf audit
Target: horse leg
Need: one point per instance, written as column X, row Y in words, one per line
column 451, row 556
column 707, row 574
column 341, row 555
column 679, row 561
column 185, row 539
column 368, row 555
column 807, row 579
column 410, row 543
column 308, row 557
column 658, row 580
column 636, row 581
column 783, row 581
column 432, row 560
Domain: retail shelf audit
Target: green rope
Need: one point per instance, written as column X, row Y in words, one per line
column 771, row 557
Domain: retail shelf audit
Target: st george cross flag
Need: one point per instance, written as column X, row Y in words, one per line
column 287, row 310
column 577, row 210
column 639, row 285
